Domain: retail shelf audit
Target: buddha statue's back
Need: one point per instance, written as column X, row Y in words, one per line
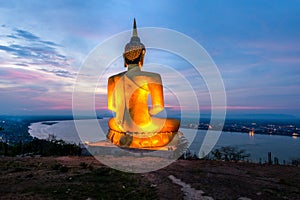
column 128, row 93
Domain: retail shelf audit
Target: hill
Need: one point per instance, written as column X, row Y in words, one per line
column 86, row 178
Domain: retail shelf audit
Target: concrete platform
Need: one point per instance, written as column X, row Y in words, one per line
column 173, row 150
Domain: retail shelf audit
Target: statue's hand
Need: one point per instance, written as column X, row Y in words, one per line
column 155, row 109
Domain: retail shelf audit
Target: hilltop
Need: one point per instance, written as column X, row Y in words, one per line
column 86, row 178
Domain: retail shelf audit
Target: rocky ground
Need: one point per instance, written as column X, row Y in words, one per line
column 86, row 178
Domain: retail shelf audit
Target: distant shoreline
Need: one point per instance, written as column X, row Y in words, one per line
column 246, row 130
column 16, row 128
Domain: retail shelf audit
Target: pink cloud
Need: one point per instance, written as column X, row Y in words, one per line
column 55, row 100
column 22, row 76
column 33, row 90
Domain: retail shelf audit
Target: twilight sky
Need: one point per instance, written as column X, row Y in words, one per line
column 255, row 45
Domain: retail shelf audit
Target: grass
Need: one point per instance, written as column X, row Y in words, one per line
column 57, row 180
column 101, row 183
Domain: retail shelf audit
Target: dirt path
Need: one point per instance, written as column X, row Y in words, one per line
column 189, row 192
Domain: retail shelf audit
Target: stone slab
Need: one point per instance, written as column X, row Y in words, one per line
column 172, row 150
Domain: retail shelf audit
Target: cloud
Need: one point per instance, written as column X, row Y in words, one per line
column 21, row 64
column 62, row 73
column 285, row 52
column 26, row 34
column 33, row 100
column 33, row 90
column 50, row 43
column 27, row 49
column 35, row 73
column 6, row 48
column 17, row 77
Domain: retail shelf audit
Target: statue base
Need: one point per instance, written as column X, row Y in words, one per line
column 176, row 147
column 140, row 140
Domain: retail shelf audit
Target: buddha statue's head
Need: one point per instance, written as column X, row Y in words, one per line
column 134, row 50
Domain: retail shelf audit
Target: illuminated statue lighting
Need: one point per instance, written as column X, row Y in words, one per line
column 134, row 124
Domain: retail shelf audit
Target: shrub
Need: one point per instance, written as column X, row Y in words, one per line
column 230, row 153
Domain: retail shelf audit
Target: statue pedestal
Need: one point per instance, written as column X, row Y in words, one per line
column 172, row 150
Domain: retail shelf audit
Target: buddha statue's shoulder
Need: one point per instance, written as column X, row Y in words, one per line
column 152, row 75
column 116, row 77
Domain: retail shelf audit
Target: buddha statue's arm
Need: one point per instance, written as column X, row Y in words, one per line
column 110, row 94
column 157, row 96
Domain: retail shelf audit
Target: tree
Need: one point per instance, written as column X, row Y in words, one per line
column 230, row 153
column 217, row 154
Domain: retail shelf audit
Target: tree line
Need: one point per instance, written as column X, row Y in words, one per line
column 43, row 147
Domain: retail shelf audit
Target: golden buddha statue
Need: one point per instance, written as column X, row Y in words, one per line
column 134, row 124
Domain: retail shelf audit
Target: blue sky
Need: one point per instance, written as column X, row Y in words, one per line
column 255, row 44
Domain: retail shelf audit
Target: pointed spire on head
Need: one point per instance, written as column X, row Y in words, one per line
column 134, row 31
column 134, row 38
